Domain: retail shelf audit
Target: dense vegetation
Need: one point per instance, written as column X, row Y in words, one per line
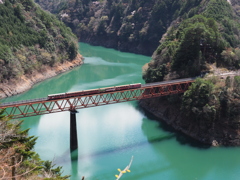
column 212, row 36
column 213, row 99
column 31, row 38
column 17, row 158
column 127, row 25
column 208, row 35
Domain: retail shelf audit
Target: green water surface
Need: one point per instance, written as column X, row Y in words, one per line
column 109, row 136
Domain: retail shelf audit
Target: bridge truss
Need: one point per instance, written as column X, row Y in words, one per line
column 21, row 109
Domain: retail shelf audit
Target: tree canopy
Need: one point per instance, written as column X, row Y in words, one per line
column 31, row 38
column 17, row 158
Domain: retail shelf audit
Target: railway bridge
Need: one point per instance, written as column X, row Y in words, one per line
column 91, row 98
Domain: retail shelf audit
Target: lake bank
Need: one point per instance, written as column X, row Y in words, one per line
column 25, row 82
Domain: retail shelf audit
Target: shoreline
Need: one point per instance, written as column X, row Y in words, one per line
column 217, row 133
column 26, row 82
column 166, row 113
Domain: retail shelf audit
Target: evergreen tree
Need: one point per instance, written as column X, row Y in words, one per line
column 17, row 158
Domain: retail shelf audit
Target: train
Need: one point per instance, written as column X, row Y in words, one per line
column 93, row 91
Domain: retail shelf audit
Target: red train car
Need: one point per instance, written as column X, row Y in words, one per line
column 133, row 86
column 130, row 86
column 56, row 96
column 87, row 92
column 93, row 91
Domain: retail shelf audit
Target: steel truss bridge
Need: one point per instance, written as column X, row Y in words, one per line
column 34, row 107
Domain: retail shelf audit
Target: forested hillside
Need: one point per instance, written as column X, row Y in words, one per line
column 127, row 25
column 31, row 38
column 236, row 6
column 209, row 34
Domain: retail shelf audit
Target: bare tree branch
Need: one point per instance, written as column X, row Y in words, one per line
column 19, row 174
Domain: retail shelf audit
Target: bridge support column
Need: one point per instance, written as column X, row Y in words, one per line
column 73, row 130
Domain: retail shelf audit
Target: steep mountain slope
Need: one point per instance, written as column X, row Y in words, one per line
column 212, row 36
column 31, row 40
column 127, row 25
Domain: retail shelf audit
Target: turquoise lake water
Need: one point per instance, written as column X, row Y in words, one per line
column 108, row 136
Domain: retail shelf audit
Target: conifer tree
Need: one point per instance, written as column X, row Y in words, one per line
column 17, row 158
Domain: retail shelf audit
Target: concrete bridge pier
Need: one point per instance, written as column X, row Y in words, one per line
column 73, row 130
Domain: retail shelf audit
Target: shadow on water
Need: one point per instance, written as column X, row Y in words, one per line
column 127, row 147
column 180, row 137
column 75, row 156
column 74, row 162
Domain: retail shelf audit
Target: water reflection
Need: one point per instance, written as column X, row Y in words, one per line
column 54, row 134
column 111, row 55
column 96, row 61
column 188, row 159
column 108, row 126
column 74, row 163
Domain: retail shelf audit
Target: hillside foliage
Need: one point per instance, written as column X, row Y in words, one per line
column 127, row 25
column 206, row 37
column 213, row 100
column 31, row 38
column 17, row 158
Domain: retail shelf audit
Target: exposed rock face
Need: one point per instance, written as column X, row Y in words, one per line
column 25, row 82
